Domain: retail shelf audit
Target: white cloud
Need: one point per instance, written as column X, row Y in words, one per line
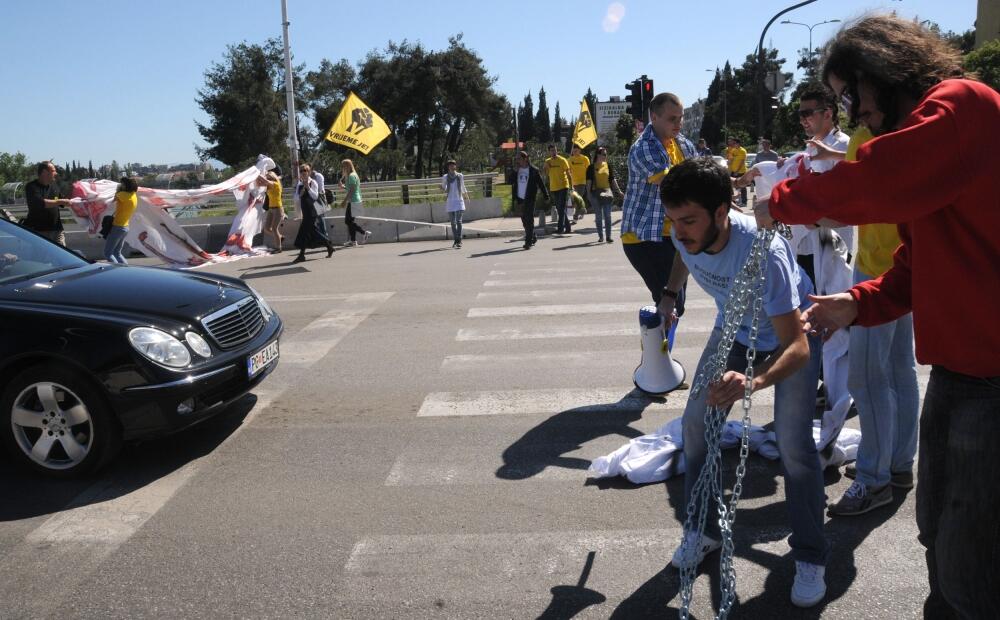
column 613, row 18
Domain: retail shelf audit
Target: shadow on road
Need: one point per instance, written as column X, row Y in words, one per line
column 568, row 601
column 138, row 465
column 588, row 244
column 757, row 527
column 497, row 252
column 442, row 249
column 544, row 445
column 284, row 271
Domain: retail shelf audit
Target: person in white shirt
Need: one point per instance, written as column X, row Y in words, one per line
column 526, row 187
column 453, row 184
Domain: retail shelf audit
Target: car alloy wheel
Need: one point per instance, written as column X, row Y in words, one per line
column 52, row 425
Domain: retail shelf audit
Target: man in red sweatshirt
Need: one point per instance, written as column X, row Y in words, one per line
column 928, row 171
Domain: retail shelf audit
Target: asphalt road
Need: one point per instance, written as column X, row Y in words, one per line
column 421, row 452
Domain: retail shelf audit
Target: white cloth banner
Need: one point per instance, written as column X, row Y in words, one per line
column 660, row 455
column 154, row 231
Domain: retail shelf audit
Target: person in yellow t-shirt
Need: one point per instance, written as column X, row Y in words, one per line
column 578, row 164
column 126, row 202
column 603, row 187
column 560, row 177
column 881, row 376
column 736, row 155
column 275, row 211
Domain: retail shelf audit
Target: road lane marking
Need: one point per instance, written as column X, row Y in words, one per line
column 550, row 401
column 549, row 281
column 571, row 309
column 515, row 272
column 599, row 360
column 467, row 334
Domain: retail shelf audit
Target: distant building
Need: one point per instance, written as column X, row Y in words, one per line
column 693, row 117
column 608, row 113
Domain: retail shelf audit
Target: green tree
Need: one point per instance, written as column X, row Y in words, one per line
column 557, row 126
column 244, row 99
column 14, row 167
column 985, row 62
column 526, row 119
column 543, row 124
column 591, row 100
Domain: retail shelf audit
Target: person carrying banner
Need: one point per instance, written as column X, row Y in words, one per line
column 351, row 183
column 126, row 202
column 907, row 85
column 578, row 164
column 274, row 209
column 557, row 169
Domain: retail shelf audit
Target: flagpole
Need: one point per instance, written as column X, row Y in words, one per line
column 293, row 140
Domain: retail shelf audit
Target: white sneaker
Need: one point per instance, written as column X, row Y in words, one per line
column 367, row 236
column 691, row 554
column 809, row 587
column 350, row 244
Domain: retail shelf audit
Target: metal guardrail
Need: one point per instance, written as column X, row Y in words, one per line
column 375, row 194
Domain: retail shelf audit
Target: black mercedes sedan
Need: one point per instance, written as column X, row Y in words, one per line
column 94, row 354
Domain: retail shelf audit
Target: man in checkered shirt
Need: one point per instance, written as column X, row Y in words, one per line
column 645, row 232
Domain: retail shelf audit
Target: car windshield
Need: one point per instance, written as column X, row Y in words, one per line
column 25, row 255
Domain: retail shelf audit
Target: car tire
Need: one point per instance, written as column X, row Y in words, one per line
column 56, row 422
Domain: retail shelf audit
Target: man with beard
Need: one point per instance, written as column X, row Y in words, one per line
column 925, row 171
column 714, row 243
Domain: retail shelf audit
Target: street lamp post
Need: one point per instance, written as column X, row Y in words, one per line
column 829, row 21
column 759, row 78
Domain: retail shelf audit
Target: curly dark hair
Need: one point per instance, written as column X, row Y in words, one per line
column 898, row 57
column 700, row 181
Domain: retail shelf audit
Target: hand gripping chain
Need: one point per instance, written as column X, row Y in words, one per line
column 745, row 296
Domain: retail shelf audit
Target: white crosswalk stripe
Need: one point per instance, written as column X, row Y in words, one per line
column 564, row 331
column 572, row 309
column 518, row 272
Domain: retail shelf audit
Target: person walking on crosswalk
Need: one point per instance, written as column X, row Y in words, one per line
column 527, row 185
column 714, row 242
column 557, row 169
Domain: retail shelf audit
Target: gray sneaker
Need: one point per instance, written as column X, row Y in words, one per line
column 899, row 479
column 859, row 499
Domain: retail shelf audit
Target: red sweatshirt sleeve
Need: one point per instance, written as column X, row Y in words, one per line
column 898, row 177
column 887, row 298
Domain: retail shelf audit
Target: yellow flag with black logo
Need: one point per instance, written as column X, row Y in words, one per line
column 585, row 133
column 357, row 126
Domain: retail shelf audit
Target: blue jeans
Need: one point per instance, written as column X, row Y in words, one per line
column 114, row 244
column 882, row 379
column 958, row 477
column 559, row 198
column 456, row 225
column 602, row 215
column 794, row 404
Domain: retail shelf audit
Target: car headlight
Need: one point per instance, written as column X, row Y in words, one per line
column 265, row 308
column 159, row 346
column 198, row 344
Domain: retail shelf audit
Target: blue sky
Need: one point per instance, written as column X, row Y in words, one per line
column 115, row 79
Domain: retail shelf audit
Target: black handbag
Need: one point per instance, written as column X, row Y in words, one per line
column 106, row 223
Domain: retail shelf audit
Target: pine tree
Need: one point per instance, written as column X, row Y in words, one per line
column 591, row 100
column 526, row 119
column 543, row 124
column 557, row 126
column 90, row 168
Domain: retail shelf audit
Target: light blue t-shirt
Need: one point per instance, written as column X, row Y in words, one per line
column 785, row 289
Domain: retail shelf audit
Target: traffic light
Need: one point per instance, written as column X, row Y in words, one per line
column 647, row 95
column 635, row 99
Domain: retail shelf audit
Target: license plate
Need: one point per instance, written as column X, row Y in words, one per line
column 259, row 360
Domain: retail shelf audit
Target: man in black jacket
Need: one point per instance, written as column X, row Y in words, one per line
column 42, row 196
column 527, row 183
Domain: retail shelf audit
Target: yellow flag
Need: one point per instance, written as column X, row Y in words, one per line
column 584, row 133
column 357, row 126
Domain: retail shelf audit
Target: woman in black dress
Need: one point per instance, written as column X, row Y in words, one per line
column 312, row 230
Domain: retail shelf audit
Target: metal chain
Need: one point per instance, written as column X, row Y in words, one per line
column 746, row 295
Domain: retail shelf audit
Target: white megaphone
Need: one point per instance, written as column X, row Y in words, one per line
column 657, row 373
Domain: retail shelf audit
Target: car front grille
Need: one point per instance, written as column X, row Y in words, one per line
column 235, row 324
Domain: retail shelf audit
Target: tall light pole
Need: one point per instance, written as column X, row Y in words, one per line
column 293, row 138
column 725, row 118
column 829, row 21
column 759, row 77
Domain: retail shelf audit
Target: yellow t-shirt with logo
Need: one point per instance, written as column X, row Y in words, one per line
column 676, row 156
column 274, row 195
column 557, row 173
column 602, row 176
column 737, row 157
column 578, row 167
column 127, row 203
column 876, row 242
